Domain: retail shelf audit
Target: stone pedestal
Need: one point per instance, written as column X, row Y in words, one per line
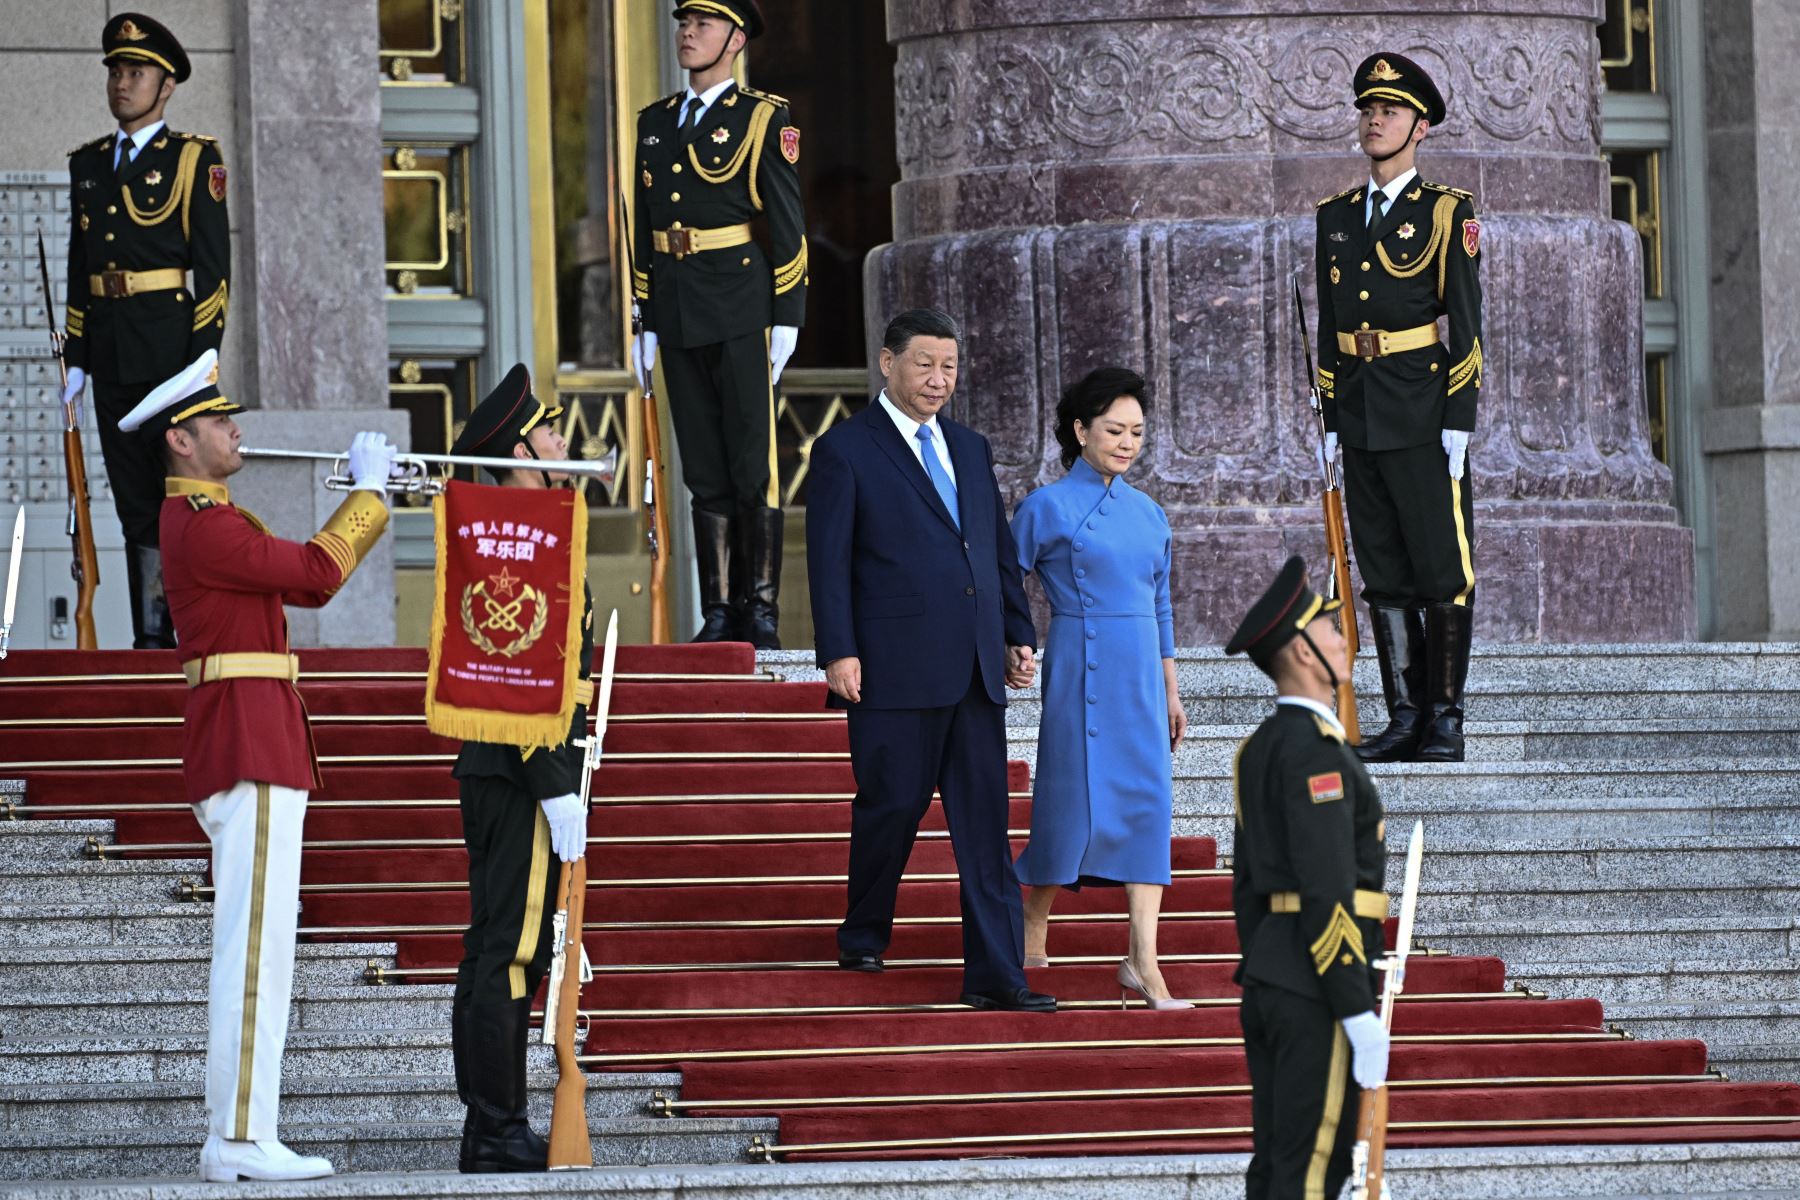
column 307, row 286
column 1133, row 182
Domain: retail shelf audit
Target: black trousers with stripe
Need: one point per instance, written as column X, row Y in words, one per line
column 1412, row 525
column 722, row 405
column 512, row 893
column 1303, row 1100
column 134, row 465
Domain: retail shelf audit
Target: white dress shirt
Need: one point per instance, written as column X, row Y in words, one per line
column 909, row 430
column 1393, row 191
column 706, row 99
column 1314, row 706
column 139, row 140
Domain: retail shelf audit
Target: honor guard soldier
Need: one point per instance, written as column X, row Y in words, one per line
column 522, row 816
column 1394, row 255
column 247, row 754
column 147, row 206
column 1307, row 870
column 724, row 312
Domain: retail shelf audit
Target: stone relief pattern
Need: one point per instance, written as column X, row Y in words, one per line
column 1204, row 309
column 974, row 100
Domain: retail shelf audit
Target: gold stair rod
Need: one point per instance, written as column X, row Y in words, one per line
column 417, row 718
column 95, row 849
column 9, row 809
column 342, row 760
column 166, row 677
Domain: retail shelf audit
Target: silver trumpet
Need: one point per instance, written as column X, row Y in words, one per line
column 413, row 474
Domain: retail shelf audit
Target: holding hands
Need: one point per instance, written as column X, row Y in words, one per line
column 1021, row 667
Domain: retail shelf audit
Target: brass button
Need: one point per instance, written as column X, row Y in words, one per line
column 109, row 237
column 111, row 209
column 676, row 168
column 183, row 296
column 1365, row 266
column 1362, row 295
column 1434, row 368
column 112, row 266
column 1365, row 324
column 674, row 195
column 747, row 263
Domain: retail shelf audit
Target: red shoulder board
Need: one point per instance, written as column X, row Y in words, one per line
column 1329, row 786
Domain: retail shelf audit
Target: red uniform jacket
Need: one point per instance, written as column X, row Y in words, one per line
column 227, row 578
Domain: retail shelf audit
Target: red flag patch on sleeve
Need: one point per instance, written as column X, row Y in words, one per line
column 1329, row 786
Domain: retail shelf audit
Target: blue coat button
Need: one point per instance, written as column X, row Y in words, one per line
column 1092, row 635
column 1078, row 547
column 1092, row 732
column 1081, row 572
column 1087, row 601
column 1093, row 699
column 1093, row 666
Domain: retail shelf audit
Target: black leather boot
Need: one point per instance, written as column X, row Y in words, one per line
column 760, row 538
column 500, row 1138
column 712, row 555
column 1400, row 644
column 459, row 1053
column 1449, row 632
column 151, row 626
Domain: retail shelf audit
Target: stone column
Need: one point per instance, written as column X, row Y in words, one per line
column 307, row 284
column 1752, row 433
column 1133, row 182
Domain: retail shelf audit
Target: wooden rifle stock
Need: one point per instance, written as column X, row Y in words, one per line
column 1371, row 1128
column 570, row 1146
column 656, row 506
column 86, row 566
column 1340, row 565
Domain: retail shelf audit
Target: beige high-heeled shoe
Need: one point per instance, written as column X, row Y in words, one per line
column 1130, row 982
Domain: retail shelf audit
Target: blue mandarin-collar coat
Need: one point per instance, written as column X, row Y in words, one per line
column 895, row 582
column 1102, row 795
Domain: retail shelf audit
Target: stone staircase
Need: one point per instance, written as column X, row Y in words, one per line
column 1627, row 827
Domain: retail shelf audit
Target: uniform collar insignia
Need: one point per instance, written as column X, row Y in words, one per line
column 1383, row 72
column 1357, row 199
column 161, row 143
column 177, row 485
column 730, row 100
column 1416, row 193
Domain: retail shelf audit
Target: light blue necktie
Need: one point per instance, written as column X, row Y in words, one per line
column 939, row 478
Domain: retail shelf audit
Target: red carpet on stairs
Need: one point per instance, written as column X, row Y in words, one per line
column 719, row 848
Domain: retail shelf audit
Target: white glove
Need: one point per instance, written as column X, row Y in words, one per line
column 371, row 461
column 72, row 394
column 1456, row 446
column 781, row 348
column 568, row 825
column 643, row 358
column 1327, row 452
column 1369, row 1043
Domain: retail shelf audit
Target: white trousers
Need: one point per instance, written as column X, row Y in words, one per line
column 255, row 832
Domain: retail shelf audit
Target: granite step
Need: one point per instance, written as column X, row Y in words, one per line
column 65, row 1107
column 114, row 968
column 362, row 1146
column 1738, row 1170
column 181, row 1057
column 36, row 1015
column 76, row 881
column 1668, row 982
column 156, row 923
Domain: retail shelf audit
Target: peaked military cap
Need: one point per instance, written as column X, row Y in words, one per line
column 745, row 14
column 1288, row 607
column 1398, row 78
column 502, row 420
column 192, row 393
column 135, row 37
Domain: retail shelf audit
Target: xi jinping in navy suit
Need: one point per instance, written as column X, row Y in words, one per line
column 921, row 624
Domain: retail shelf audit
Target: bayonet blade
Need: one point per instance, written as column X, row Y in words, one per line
column 13, row 564
column 603, row 695
column 1409, row 896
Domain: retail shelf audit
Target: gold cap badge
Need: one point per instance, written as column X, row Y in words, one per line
column 212, row 376
column 1383, row 73
column 130, row 32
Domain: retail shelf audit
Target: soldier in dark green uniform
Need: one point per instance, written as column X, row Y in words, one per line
column 522, row 817
column 148, row 210
column 1394, row 255
column 724, row 312
column 1308, row 864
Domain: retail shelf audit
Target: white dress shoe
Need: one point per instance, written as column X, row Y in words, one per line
column 223, row 1161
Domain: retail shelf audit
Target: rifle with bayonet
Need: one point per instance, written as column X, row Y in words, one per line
column 571, row 1149
column 656, row 515
column 1336, row 548
column 86, row 565
column 13, row 566
column 1368, row 1161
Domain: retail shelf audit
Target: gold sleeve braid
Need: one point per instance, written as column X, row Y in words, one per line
column 77, row 321
column 1467, row 371
column 353, row 530
column 1341, row 936
column 640, row 284
column 793, row 273
column 213, row 307
column 1327, row 384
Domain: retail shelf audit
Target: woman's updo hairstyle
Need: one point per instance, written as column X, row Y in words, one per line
column 1085, row 401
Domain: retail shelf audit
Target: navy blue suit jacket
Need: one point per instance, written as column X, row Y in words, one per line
column 894, row 582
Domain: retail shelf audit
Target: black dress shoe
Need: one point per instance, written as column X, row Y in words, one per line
column 1015, row 1000
column 862, row 962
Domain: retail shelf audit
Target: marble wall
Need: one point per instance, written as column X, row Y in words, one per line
column 1133, row 181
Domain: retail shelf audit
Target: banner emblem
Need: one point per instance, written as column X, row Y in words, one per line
column 1472, row 237
column 790, row 144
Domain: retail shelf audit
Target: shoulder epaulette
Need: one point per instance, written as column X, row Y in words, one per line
column 1448, row 190
column 97, row 144
column 771, row 97
column 1325, row 729
column 194, row 137
column 1339, row 196
column 199, row 503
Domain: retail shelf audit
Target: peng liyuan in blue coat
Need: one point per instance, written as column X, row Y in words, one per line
column 1101, row 798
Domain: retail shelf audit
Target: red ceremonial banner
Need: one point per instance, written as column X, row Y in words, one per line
column 506, row 626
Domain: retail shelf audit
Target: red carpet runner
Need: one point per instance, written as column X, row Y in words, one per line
column 720, row 844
